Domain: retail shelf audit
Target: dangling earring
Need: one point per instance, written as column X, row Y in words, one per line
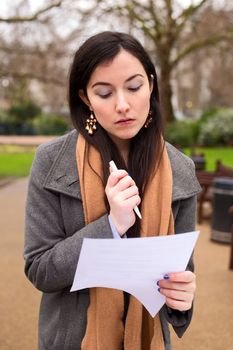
column 148, row 120
column 91, row 124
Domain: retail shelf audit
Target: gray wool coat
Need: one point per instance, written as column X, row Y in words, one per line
column 54, row 231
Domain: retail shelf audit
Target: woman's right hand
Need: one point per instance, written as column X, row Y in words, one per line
column 122, row 194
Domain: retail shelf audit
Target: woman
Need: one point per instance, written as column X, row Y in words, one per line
column 114, row 105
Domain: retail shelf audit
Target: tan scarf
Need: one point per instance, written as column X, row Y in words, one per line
column 105, row 329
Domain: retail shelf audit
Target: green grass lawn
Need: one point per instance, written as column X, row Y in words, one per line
column 15, row 161
column 15, row 164
column 225, row 154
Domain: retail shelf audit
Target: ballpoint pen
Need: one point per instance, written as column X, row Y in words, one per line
column 114, row 167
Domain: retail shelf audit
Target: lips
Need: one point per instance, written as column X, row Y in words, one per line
column 125, row 121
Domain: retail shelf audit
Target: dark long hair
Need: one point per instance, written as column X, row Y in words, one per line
column 146, row 146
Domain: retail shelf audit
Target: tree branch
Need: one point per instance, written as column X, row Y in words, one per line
column 135, row 17
column 189, row 11
column 30, row 76
column 33, row 17
column 153, row 10
column 170, row 24
column 200, row 44
column 186, row 14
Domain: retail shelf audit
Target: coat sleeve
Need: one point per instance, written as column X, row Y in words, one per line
column 185, row 218
column 50, row 256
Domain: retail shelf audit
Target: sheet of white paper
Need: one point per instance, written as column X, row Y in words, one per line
column 133, row 265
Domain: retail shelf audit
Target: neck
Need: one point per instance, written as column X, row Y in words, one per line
column 123, row 148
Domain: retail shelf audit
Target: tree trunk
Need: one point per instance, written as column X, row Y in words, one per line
column 166, row 92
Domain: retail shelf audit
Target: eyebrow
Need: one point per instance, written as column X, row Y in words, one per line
column 127, row 80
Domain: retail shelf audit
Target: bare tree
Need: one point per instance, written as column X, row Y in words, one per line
column 32, row 17
column 168, row 28
column 221, row 76
column 37, row 47
column 203, row 78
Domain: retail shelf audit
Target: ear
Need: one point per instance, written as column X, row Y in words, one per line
column 84, row 98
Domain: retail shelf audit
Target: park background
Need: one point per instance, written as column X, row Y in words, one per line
column 191, row 44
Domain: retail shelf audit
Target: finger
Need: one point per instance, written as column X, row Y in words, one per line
column 178, row 305
column 184, row 276
column 131, row 202
column 129, row 192
column 177, row 295
column 124, row 183
column 126, row 203
column 181, row 286
column 115, row 177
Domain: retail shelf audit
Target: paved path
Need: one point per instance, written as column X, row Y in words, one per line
column 24, row 140
column 18, row 299
column 212, row 325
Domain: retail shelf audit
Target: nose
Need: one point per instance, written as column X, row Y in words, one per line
column 122, row 104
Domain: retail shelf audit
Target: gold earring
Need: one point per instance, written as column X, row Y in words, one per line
column 148, row 120
column 91, row 124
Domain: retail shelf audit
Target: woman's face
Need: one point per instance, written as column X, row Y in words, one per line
column 119, row 94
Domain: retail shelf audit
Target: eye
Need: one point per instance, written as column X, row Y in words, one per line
column 103, row 92
column 105, row 95
column 134, row 88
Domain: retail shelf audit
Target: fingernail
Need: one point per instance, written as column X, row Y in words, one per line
column 157, row 283
column 166, row 277
column 158, row 289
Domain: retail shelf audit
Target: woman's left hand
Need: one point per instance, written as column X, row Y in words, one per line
column 179, row 289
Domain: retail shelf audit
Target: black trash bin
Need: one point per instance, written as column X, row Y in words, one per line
column 199, row 162
column 221, row 219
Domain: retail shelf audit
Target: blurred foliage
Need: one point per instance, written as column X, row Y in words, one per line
column 218, row 129
column 4, row 129
column 18, row 91
column 24, row 111
column 208, row 114
column 49, row 124
column 213, row 128
column 18, row 118
column 182, row 133
column 28, row 119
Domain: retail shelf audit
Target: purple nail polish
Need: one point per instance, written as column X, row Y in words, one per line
column 157, row 283
column 166, row 277
column 158, row 289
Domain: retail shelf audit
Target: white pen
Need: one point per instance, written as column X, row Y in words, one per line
column 114, row 167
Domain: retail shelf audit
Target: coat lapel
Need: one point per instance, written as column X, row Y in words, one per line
column 63, row 174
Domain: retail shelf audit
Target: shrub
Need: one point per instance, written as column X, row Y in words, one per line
column 29, row 124
column 217, row 130
column 10, row 126
column 4, row 127
column 205, row 116
column 24, row 112
column 18, row 119
column 50, row 124
column 182, row 133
